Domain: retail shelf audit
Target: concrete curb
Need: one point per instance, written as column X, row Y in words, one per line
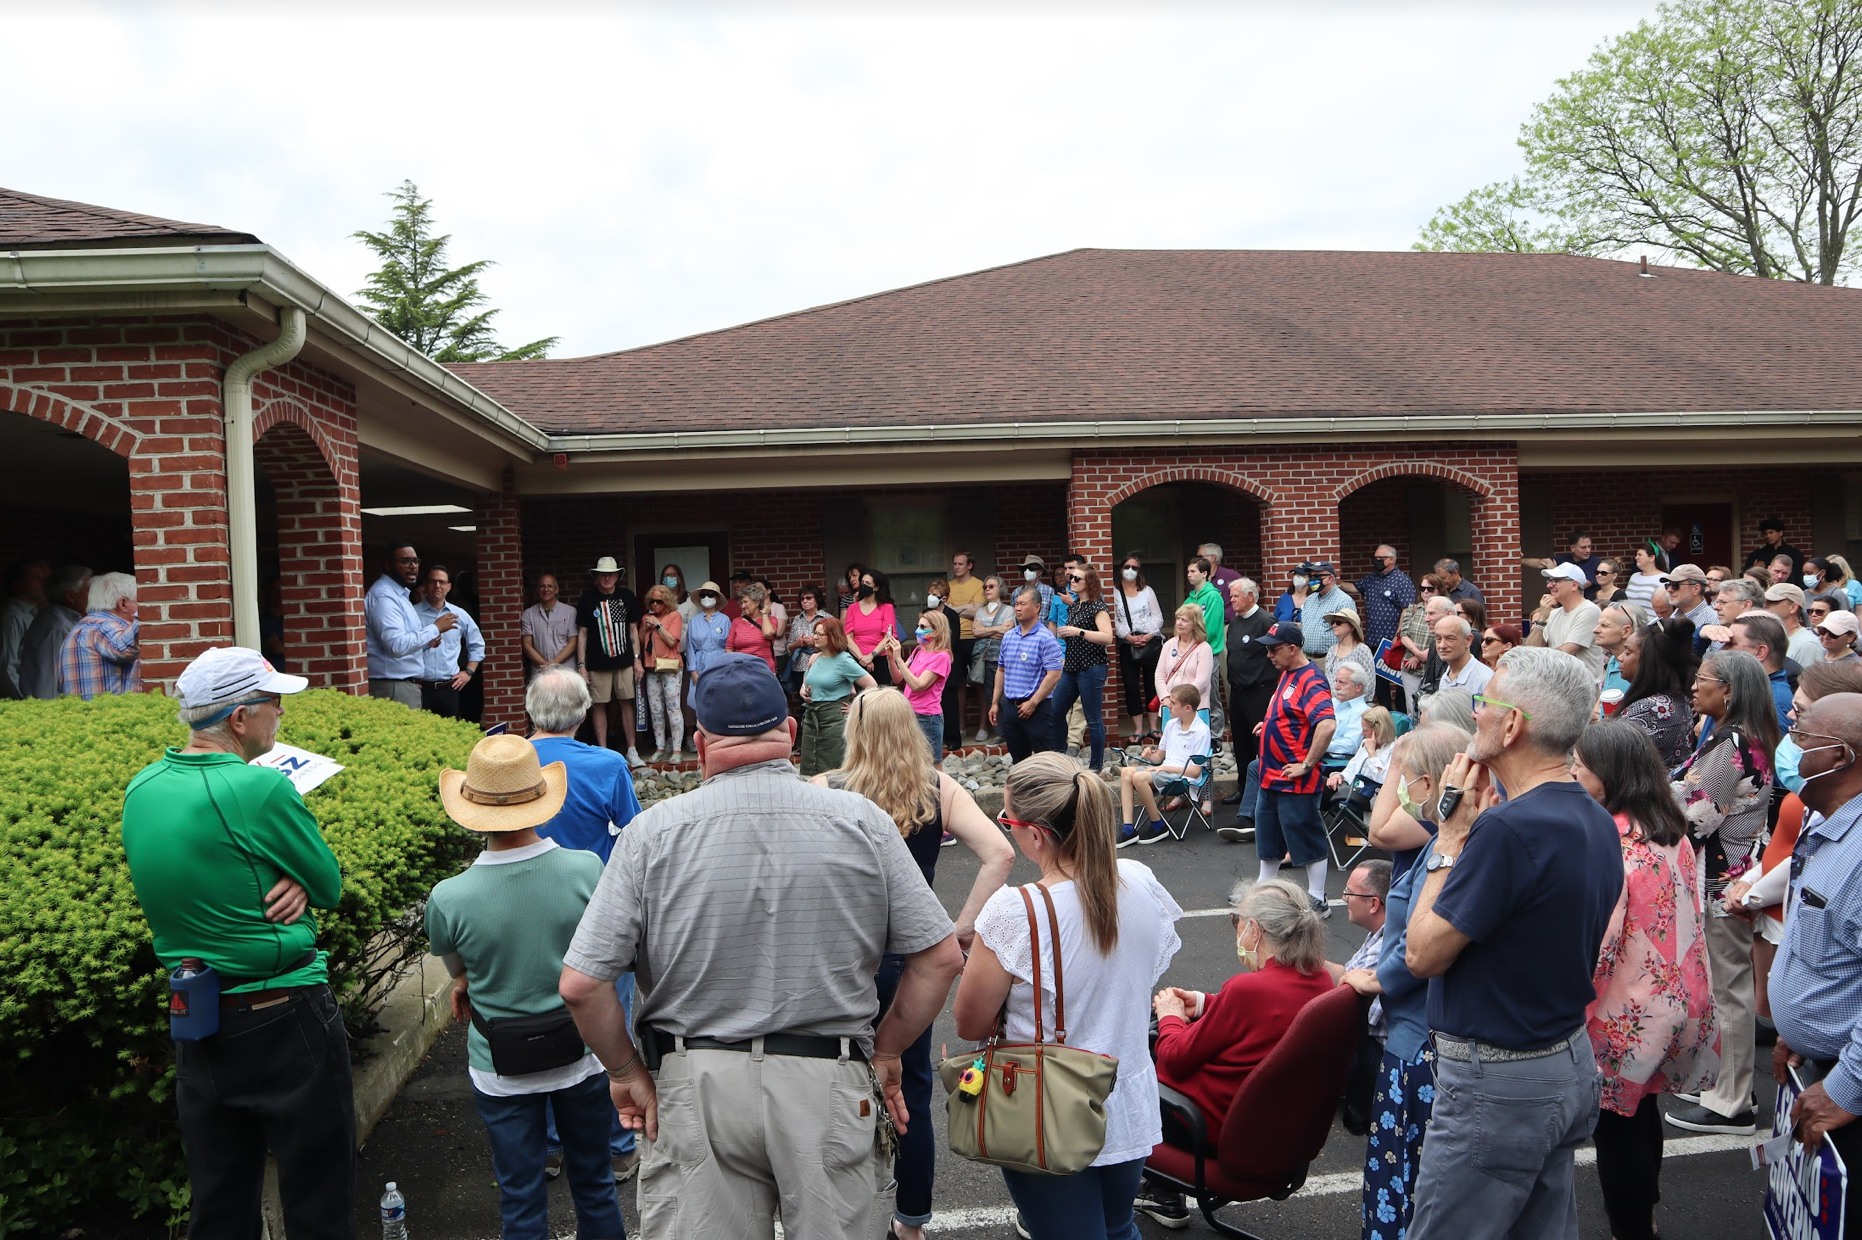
column 411, row 1020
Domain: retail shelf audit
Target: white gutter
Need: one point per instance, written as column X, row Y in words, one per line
column 1505, row 425
column 254, row 268
column 241, row 499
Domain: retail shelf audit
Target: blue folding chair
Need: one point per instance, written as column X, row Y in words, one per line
column 1192, row 790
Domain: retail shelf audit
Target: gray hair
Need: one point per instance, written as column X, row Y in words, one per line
column 1556, row 690
column 110, row 589
column 557, row 699
column 998, row 580
column 1350, row 670
column 69, row 577
column 1288, row 923
column 1467, row 630
column 1451, row 704
column 1428, row 750
column 1638, row 618
column 1246, row 586
column 1439, row 606
column 1028, row 588
column 1212, row 550
column 1747, row 591
column 1377, row 874
column 1447, row 565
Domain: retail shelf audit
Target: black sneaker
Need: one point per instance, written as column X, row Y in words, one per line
column 1154, row 833
column 1233, row 798
column 1700, row 1119
column 1127, row 836
column 1165, row 1209
column 552, row 1165
column 1240, row 831
column 1321, row 906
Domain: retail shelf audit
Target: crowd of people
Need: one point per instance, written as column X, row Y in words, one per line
column 1615, row 859
column 68, row 632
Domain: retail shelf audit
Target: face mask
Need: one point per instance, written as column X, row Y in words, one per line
column 1299, row 582
column 922, row 634
column 1407, row 805
column 1802, row 780
column 932, row 600
column 707, row 602
column 1250, row 956
column 671, row 583
column 866, row 591
column 1029, row 574
column 1810, row 579
column 1130, row 574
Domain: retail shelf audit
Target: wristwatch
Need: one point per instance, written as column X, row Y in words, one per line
column 1440, row 861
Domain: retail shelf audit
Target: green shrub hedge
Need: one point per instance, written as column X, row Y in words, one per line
column 87, row 1121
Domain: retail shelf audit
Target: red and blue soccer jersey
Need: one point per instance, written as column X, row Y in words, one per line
column 1301, row 702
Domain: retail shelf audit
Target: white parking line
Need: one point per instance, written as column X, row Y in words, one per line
column 1337, row 1184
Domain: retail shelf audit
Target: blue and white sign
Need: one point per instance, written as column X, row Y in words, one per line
column 1804, row 1195
column 305, row 770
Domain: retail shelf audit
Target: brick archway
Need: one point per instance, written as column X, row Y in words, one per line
column 1261, row 495
column 1415, row 469
column 93, row 424
column 319, row 546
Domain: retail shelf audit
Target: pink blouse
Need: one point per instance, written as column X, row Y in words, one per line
column 746, row 637
column 864, row 630
column 930, row 699
column 1195, row 670
column 1652, row 1024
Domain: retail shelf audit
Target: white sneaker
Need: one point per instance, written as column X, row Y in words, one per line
column 634, row 759
column 982, row 734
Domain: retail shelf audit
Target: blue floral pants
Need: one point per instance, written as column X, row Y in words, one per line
column 1399, row 1116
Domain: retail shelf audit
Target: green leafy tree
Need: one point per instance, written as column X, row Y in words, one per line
column 1725, row 133
column 433, row 307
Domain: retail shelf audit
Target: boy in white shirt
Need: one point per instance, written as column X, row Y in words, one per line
column 1186, row 736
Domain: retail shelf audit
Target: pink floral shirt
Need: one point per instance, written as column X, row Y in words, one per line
column 1652, row 1025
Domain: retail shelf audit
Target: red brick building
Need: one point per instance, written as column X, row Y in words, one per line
column 1287, row 405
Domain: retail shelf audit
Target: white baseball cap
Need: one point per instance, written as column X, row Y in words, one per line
column 230, row 675
column 1568, row 571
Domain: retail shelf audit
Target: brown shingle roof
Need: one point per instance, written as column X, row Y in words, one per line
column 30, row 222
column 1160, row 334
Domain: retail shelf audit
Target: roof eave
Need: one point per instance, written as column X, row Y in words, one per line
column 262, row 270
column 1507, row 425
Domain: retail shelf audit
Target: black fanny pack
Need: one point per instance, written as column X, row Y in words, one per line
column 523, row 1044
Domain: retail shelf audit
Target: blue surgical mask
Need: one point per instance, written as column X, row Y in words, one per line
column 1801, row 780
column 1784, row 765
column 671, row 583
column 1810, row 579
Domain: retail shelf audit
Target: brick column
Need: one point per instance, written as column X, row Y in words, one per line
column 319, row 558
column 1496, row 536
column 177, row 500
column 501, row 605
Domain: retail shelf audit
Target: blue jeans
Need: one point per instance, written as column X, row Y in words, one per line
column 1088, row 687
column 515, row 1127
column 1087, row 1205
column 915, row 1167
column 933, row 728
column 620, row 1140
column 1251, row 790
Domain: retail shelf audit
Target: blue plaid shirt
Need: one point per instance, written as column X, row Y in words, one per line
column 101, row 656
column 1385, row 596
column 1025, row 659
column 1816, row 982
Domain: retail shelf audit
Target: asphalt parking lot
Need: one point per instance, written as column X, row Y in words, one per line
column 433, row 1145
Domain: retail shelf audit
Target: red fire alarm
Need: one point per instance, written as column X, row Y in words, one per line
column 561, row 459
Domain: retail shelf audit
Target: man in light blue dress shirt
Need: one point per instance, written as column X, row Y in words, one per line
column 1816, row 979
column 441, row 677
column 396, row 634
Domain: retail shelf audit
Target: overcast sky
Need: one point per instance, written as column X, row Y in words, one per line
column 641, row 173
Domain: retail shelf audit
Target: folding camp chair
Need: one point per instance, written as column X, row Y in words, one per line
column 1191, row 790
column 1347, row 826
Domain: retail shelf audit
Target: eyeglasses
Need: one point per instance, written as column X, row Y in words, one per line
column 1428, row 589
column 1003, row 819
column 407, row 559
column 1481, row 699
column 1076, row 579
column 1708, row 680
column 1362, row 895
column 1490, row 641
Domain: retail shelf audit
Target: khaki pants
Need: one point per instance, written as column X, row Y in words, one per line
column 745, row 1139
column 1729, row 962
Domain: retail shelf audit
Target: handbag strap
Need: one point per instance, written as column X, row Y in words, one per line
column 1034, row 956
column 1172, row 673
column 1060, row 994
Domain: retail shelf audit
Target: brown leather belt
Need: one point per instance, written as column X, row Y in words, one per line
column 259, row 998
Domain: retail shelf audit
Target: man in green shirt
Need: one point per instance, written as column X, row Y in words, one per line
column 226, row 862
column 1204, row 594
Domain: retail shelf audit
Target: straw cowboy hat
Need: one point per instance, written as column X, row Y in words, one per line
column 1349, row 617
column 504, row 787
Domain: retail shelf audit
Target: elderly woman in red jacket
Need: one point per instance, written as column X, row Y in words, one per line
column 1208, row 1044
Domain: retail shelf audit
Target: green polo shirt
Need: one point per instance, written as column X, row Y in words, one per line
column 207, row 836
column 1215, row 621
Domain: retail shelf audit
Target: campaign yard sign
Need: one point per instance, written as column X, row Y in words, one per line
column 1805, row 1189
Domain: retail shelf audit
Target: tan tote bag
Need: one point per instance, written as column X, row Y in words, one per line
column 1038, row 1106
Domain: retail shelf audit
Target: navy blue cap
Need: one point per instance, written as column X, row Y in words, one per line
column 1276, row 635
column 739, row 696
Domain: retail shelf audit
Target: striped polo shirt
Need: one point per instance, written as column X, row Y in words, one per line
column 1301, row 702
column 1026, row 658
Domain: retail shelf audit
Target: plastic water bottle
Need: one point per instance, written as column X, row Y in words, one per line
column 393, row 1214
column 193, row 1001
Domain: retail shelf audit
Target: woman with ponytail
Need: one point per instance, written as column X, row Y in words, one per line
column 1117, row 935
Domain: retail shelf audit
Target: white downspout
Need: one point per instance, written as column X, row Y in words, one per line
column 241, row 493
